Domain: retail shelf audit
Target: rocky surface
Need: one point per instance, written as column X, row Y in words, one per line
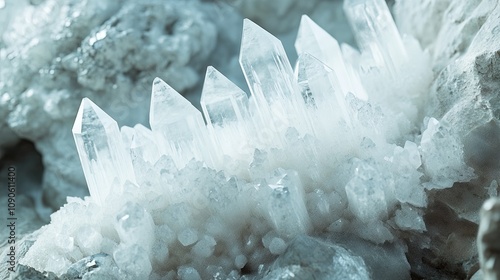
column 489, row 230
column 309, row 258
column 463, row 38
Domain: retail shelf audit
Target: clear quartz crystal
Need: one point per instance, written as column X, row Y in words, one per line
column 286, row 205
column 269, row 76
column 376, row 33
column 135, row 225
column 317, row 42
column 225, row 107
column 352, row 60
column 178, row 126
column 104, row 159
column 143, row 144
column 365, row 193
column 321, row 89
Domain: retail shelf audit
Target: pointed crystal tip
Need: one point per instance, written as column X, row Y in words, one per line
column 77, row 125
column 87, row 114
column 167, row 103
column 157, row 81
column 305, row 19
column 251, row 28
column 255, row 37
column 218, row 86
column 159, row 86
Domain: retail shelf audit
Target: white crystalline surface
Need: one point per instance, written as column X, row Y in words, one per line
column 329, row 146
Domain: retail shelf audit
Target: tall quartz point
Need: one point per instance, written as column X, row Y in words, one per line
column 286, row 205
column 376, row 32
column 178, row 126
column 317, row 42
column 225, row 107
column 269, row 76
column 105, row 161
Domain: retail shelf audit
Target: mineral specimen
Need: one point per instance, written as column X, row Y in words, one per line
column 338, row 147
column 53, row 53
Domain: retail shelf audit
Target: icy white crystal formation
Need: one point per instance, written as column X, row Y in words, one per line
column 388, row 61
column 310, row 150
column 55, row 52
column 178, row 126
column 105, row 161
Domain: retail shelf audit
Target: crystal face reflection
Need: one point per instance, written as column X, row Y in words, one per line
column 178, row 126
column 105, row 162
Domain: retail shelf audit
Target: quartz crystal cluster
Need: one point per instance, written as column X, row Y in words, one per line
column 55, row 52
column 329, row 147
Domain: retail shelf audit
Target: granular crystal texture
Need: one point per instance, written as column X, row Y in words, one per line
column 286, row 206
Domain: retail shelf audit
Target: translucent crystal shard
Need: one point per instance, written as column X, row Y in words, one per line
column 321, row 89
column 287, row 208
column 135, row 225
column 270, row 78
column 316, row 41
column 221, row 100
column 127, row 135
column 376, row 32
column 178, row 126
column 225, row 107
column 327, row 107
column 351, row 58
column 365, row 193
column 143, row 144
column 104, row 159
column 265, row 64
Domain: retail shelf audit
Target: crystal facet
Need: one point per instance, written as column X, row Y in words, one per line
column 316, row 41
column 310, row 150
column 286, row 205
column 320, row 86
column 104, row 159
column 143, row 144
column 269, row 76
column 178, row 126
column 376, row 32
column 225, row 107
